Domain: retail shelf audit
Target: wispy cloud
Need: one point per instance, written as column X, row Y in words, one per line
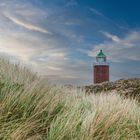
column 111, row 36
column 71, row 3
column 47, row 38
column 109, row 20
column 96, row 11
column 119, row 49
column 54, row 68
column 26, row 25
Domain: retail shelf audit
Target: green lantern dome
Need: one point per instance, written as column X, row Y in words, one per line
column 101, row 54
column 101, row 57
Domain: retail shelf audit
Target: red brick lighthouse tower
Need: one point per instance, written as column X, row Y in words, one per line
column 101, row 68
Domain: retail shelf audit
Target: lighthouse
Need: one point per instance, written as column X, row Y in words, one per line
column 101, row 68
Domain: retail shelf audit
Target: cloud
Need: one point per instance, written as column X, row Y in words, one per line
column 46, row 39
column 54, row 68
column 96, row 11
column 111, row 36
column 106, row 19
column 16, row 49
column 26, row 25
column 44, row 59
column 71, row 3
column 119, row 49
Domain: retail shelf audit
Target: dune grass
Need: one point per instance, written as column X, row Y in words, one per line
column 31, row 109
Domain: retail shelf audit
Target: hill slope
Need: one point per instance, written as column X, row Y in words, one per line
column 30, row 109
column 124, row 87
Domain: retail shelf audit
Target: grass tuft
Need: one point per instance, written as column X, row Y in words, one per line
column 32, row 109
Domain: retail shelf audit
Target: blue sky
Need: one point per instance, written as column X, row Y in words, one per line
column 59, row 39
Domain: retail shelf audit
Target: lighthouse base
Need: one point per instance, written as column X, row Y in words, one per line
column 101, row 73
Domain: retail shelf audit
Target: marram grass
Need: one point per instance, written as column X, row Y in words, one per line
column 31, row 109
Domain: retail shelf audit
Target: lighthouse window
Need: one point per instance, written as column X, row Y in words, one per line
column 101, row 59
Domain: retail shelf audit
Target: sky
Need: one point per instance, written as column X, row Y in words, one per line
column 59, row 39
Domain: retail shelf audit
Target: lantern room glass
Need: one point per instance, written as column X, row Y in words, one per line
column 101, row 59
